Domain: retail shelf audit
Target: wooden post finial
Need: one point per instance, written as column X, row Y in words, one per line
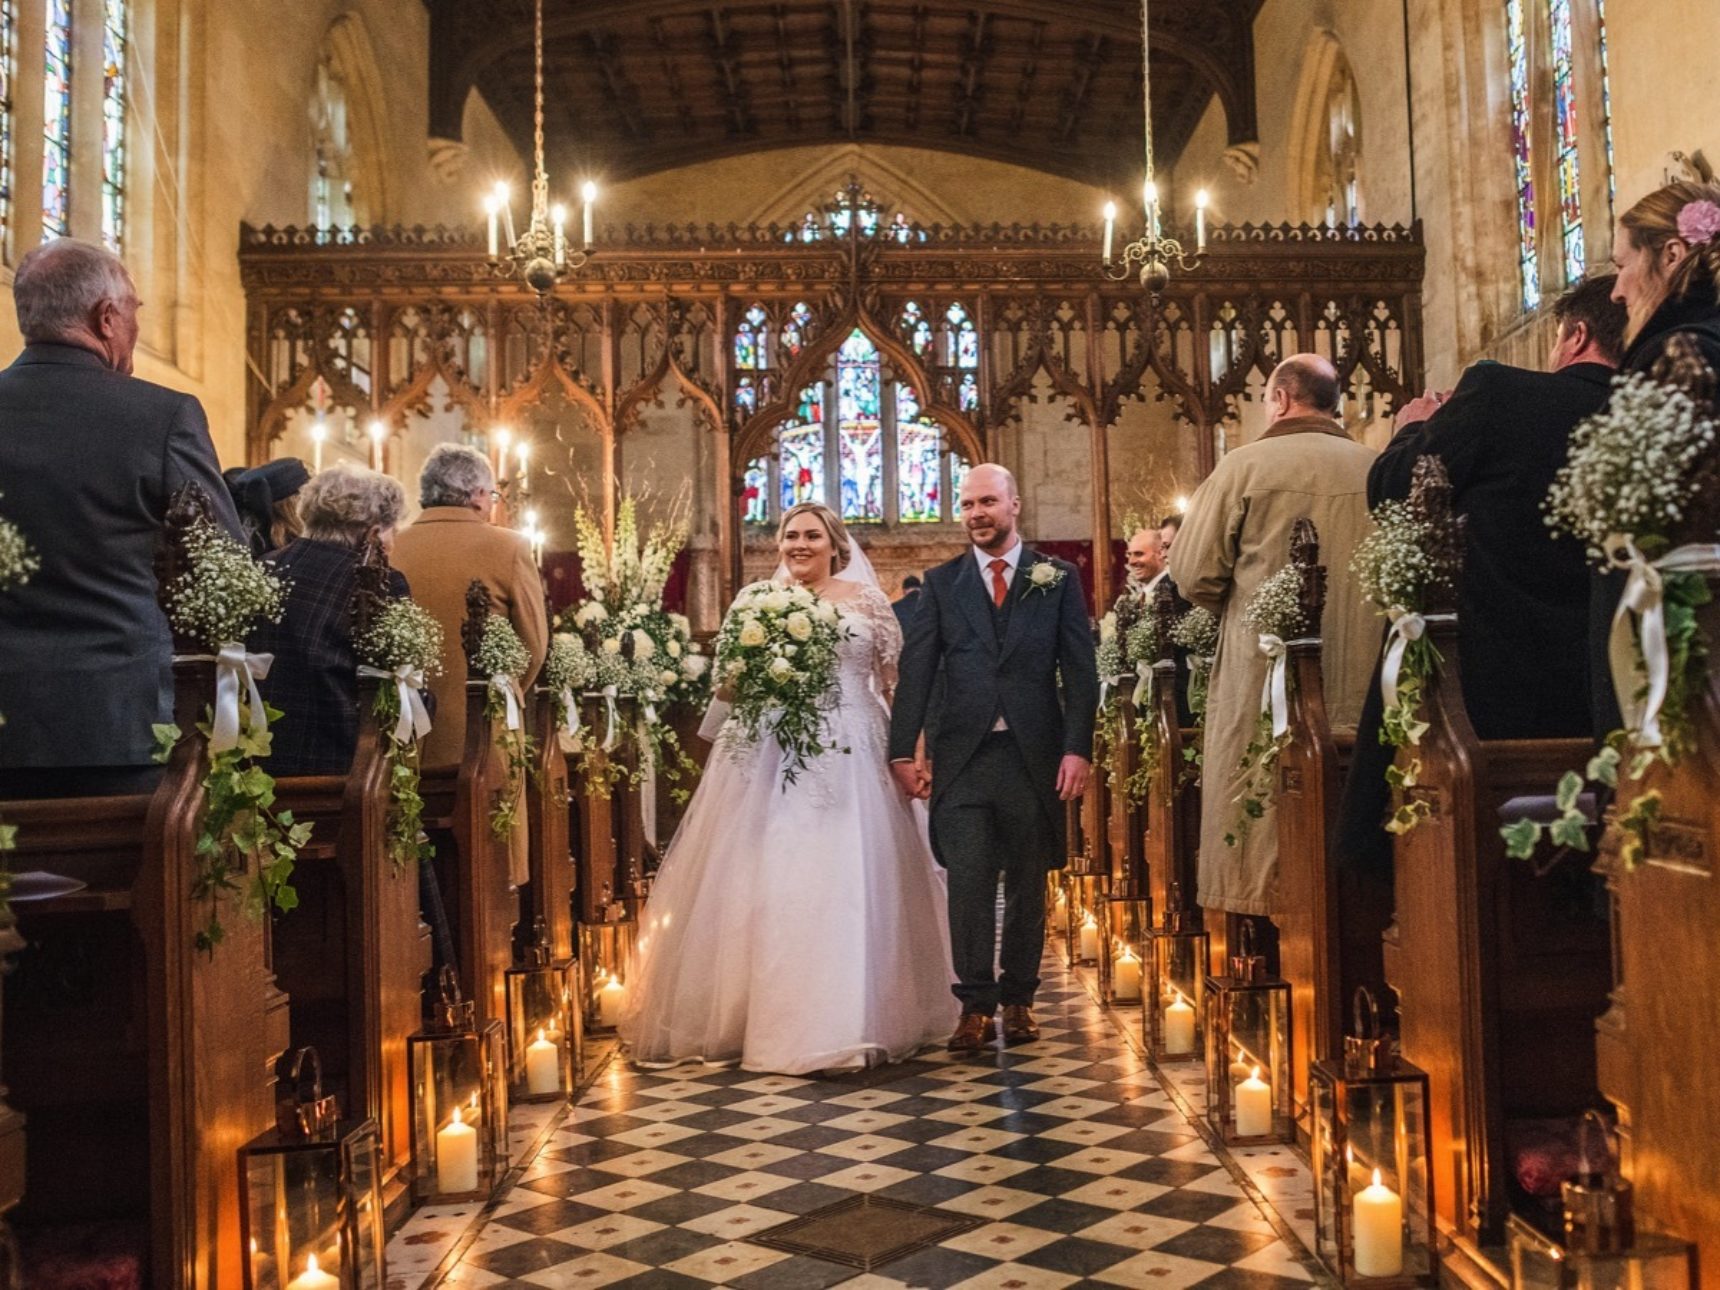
column 472, row 629
column 1305, row 556
column 1430, row 499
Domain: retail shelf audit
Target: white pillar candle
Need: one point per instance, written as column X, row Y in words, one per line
column 589, row 193
column 319, row 436
column 543, row 1067
column 1377, row 1216
column 313, row 1277
column 1089, row 939
column 1238, row 1073
column 492, row 208
column 1110, row 228
column 502, row 439
column 523, row 452
column 1126, row 977
column 558, row 217
column 378, row 434
column 1253, row 1107
column 1200, row 220
column 611, row 1000
column 456, row 1157
column 1179, row 1027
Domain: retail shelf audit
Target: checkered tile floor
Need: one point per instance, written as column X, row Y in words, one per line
column 1079, row 1161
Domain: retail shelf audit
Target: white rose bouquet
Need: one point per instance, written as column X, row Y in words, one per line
column 776, row 654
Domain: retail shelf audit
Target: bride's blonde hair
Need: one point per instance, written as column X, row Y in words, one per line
column 832, row 522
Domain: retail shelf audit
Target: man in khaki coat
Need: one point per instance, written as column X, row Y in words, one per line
column 1236, row 535
column 441, row 552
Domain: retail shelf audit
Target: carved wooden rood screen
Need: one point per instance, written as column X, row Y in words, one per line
column 389, row 325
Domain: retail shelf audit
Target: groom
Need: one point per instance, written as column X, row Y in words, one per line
column 1006, row 625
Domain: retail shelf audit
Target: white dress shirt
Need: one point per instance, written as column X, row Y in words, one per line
column 1011, row 558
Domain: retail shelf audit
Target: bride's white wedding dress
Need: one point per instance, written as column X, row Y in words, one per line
column 799, row 928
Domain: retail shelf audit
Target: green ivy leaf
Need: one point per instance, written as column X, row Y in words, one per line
column 1570, row 786
column 1570, row 830
column 166, row 735
column 1603, row 767
column 1520, row 838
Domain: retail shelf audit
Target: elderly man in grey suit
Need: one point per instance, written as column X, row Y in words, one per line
column 89, row 456
column 1006, row 624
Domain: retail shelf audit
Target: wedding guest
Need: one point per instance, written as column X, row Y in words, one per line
column 89, row 456
column 313, row 679
column 1667, row 252
column 1237, row 534
column 909, row 601
column 1169, row 527
column 1145, row 559
column 267, row 499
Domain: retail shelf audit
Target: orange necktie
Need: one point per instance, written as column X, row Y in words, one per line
column 999, row 588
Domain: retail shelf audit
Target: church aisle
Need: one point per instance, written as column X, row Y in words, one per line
column 1059, row 1163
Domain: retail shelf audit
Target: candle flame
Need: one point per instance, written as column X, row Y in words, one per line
column 1200, row 199
column 492, row 203
column 457, row 1119
column 311, row 1263
column 1256, row 1074
column 523, row 451
column 1349, row 1155
column 499, row 194
column 1376, row 1178
column 588, row 191
column 319, row 432
column 558, row 213
column 540, row 1034
column 503, row 437
column 1110, row 210
column 378, row 431
column 1150, row 191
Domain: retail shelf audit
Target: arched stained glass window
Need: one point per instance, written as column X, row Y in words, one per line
column 755, row 498
column 795, row 330
column 115, row 93
column 916, row 331
column 1517, row 56
column 801, row 451
column 961, row 341
column 860, row 428
column 1565, row 113
column 333, row 204
column 919, row 461
column 57, row 121
column 8, row 147
column 746, row 396
column 967, row 398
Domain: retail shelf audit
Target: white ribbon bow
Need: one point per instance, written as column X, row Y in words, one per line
column 1143, row 694
column 1644, row 596
column 1275, row 692
column 414, row 717
column 612, row 727
column 569, row 713
column 231, row 664
column 1407, row 626
column 504, row 685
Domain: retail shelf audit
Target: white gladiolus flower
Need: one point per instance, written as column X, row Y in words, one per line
column 590, row 612
column 799, row 626
column 752, row 632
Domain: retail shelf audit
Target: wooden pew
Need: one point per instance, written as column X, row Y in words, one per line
column 550, row 809
column 1665, row 1003
column 353, row 956
column 1500, row 970
column 1172, row 813
column 609, row 849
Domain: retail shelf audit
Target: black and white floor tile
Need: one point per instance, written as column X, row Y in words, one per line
column 1059, row 1163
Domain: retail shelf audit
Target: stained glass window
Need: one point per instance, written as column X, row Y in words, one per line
column 1517, row 53
column 800, row 451
column 915, row 329
column 796, row 329
column 57, row 121
column 746, row 396
column 751, row 348
column 958, row 472
column 114, row 96
column 1565, row 144
column 919, row 461
column 860, row 429
column 8, row 75
column 961, row 341
column 755, row 500
column 1606, row 106
column 967, row 398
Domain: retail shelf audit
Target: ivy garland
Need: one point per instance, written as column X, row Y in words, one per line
column 404, row 635
column 501, row 653
column 1274, row 610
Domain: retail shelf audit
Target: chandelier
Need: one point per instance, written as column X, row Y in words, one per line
column 539, row 256
column 1153, row 251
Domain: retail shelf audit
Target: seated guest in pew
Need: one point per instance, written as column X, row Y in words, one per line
column 1667, row 252
column 1523, row 600
column 267, row 499
column 314, row 678
column 1145, row 559
column 451, row 544
column 1236, row 535
column 89, row 456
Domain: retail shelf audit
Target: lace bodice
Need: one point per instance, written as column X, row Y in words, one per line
column 868, row 657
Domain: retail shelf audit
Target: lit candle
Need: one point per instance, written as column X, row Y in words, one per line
column 1181, row 504
column 589, row 193
column 523, row 451
column 1377, row 1216
column 507, row 211
column 378, row 433
column 1239, row 1070
column 1253, row 1107
column 1089, row 939
column 313, row 1277
column 543, row 1067
column 493, row 208
column 457, row 1157
column 1110, row 227
column 611, row 1000
column 319, row 436
column 1200, row 200
column 558, row 217
column 1179, row 1027
column 503, row 438
column 1126, row 976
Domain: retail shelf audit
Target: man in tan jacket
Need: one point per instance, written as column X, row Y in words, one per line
column 1236, row 535
column 441, row 552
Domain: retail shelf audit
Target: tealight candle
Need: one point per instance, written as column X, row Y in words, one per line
column 1179, row 1027
column 313, row 1277
column 611, row 1001
column 1377, row 1215
column 543, row 1067
column 1126, row 976
column 1253, row 1107
column 456, row 1157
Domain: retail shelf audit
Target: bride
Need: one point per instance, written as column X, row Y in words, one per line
column 800, row 927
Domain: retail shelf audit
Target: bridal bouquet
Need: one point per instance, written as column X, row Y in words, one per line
column 403, row 645
column 776, row 654
column 1275, row 611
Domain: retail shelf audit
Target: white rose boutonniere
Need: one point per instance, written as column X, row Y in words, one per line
column 1045, row 576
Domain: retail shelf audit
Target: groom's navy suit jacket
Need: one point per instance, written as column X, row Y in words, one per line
column 996, row 664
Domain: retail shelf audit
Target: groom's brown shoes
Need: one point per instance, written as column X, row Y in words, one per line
column 973, row 1032
column 1019, row 1027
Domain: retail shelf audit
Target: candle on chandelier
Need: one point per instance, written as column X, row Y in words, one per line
column 558, row 218
column 507, row 210
column 523, row 452
column 319, row 436
column 1110, row 227
column 493, row 209
column 1150, row 199
column 378, row 433
column 1200, row 200
column 589, row 193
column 502, row 439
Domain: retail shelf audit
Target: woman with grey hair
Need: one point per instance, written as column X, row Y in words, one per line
column 455, row 475
column 314, row 680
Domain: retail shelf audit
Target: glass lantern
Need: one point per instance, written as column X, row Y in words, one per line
column 310, row 1194
column 606, row 964
column 1248, row 1094
column 1056, row 899
column 1373, row 1203
column 1126, row 925
column 545, row 1024
column 1086, row 932
column 1174, row 994
column 459, row 1102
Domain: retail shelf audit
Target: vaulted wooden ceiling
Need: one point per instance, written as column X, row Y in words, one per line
column 637, row 86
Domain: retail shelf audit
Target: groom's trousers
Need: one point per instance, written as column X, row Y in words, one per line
column 991, row 822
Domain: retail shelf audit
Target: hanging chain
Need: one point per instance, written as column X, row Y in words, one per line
column 538, row 121
column 1146, row 88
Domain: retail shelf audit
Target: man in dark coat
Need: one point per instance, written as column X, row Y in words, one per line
column 89, row 456
column 1502, row 434
column 908, row 602
column 1005, row 624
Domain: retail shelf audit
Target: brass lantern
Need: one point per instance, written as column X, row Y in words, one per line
column 606, row 961
column 1248, row 1051
column 1085, row 912
column 459, row 1101
column 310, row 1194
column 1373, row 1200
column 546, row 1024
column 1125, row 923
column 1175, row 991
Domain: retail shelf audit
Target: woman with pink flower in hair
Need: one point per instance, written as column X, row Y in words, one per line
column 1667, row 252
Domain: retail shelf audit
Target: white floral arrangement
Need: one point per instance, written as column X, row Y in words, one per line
column 17, row 559
column 501, row 652
column 569, row 665
column 403, row 642
column 777, row 658
column 1275, row 609
column 1275, row 612
column 404, row 634
column 503, row 657
column 224, row 592
column 1197, row 632
column 1142, row 645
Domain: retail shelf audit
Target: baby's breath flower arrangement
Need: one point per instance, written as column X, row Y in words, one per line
column 405, row 643
column 776, row 655
column 502, row 656
column 1142, row 646
column 1274, row 611
column 215, row 602
column 17, row 562
column 568, row 672
column 1197, row 632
